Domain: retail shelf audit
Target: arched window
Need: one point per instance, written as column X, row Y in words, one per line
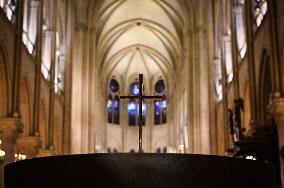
column 113, row 104
column 9, row 7
column 240, row 25
column 228, row 60
column 59, row 65
column 54, row 40
column 160, row 106
column 260, row 8
column 30, row 22
column 133, row 106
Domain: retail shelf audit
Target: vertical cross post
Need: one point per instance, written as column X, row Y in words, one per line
column 140, row 98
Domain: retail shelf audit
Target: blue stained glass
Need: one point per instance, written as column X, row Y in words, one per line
column 116, row 110
column 134, row 89
column 132, row 111
column 116, row 103
column 114, row 85
column 132, row 107
column 160, row 112
column 109, row 109
column 157, row 115
column 157, row 107
column 160, row 86
column 164, row 112
column 143, row 108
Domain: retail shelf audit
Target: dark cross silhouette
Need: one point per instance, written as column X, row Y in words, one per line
column 140, row 98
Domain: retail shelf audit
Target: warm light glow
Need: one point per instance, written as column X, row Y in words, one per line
column 243, row 51
column 30, row 47
column 260, row 13
column 2, row 153
column 9, row 14
column 2, row 3
column 181, row 148
column 25, row 38
column 57, row 53
column 230, row 77
column 250, row 157
column 19, row 157
column 45, row 72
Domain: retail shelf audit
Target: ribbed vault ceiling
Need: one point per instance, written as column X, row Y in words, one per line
column 139, row 36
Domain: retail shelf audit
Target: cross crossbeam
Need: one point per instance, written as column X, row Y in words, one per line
column 140, row 98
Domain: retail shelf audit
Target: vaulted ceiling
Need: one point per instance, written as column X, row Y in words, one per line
column 139, row 36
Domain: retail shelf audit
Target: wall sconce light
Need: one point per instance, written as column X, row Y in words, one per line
column 19, row 157
column 2, row 153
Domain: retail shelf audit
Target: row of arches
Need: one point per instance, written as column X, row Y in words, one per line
column 32, row 11
column 259, row 10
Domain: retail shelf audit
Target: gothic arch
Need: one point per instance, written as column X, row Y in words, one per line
column 25, row 105
column 4, row 84
column 43, row 129
column 265, row 87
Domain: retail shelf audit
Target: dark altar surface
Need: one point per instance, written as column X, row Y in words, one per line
column 138, row 171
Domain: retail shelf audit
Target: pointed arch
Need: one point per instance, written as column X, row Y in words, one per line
column 4, row 84
column 265, row 87
column 25, row 105
column 43, row 129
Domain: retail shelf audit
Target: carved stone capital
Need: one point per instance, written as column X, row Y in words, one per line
column 28, row 145
column 9, row 129
column 276, row 109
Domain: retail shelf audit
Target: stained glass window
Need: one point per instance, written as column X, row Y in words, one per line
column 116, row 110
column 133, row 112
column 160, row 106
column 109, row 109
column 113, row 103
column 113, row 86
column 134, row 88
column 133, row 107
column 160, row 86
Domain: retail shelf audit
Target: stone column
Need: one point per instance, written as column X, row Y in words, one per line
column 251, row 65
column 37, row 81
column 9, row 130
column 276, row 108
